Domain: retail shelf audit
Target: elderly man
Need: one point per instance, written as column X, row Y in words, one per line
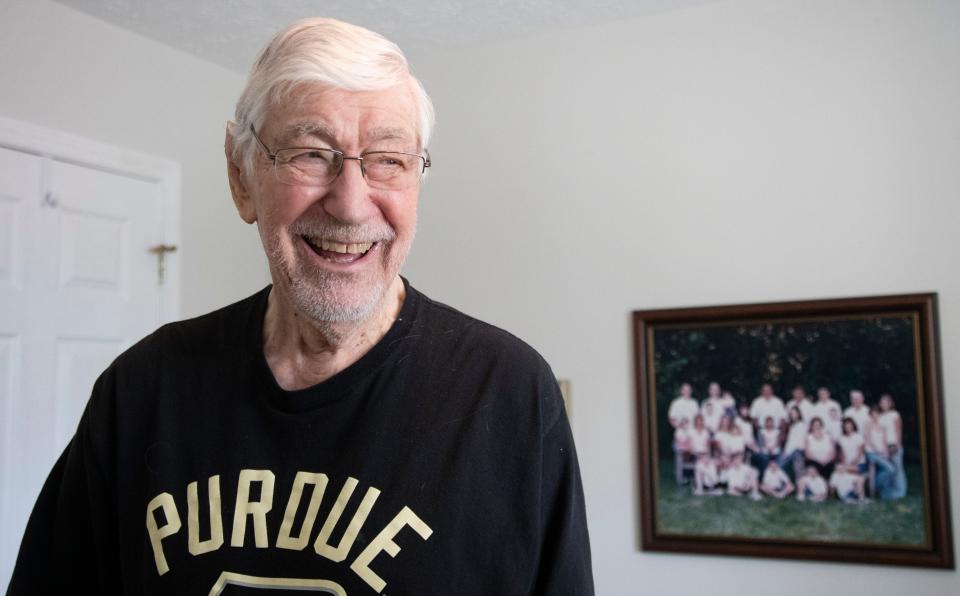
column 337, row 432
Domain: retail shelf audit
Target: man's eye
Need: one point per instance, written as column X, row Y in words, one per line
column 317, row 155
column 388, row 161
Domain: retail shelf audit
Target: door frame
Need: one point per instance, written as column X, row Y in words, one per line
column 54, row 144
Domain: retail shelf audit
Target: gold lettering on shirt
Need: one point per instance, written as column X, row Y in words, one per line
column 157, row 533
column 197, row 546
column 257, row 509
column 338, row 554
column 163, row 521
column 319, row 483
column 384, row 543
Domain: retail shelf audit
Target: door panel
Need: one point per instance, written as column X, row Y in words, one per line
column 77, row 285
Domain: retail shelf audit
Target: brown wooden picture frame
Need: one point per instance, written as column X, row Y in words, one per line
column 841, row 343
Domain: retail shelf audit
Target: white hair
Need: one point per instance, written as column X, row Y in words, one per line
column 328, row 52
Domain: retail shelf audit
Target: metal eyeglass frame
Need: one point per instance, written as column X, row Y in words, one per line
column 272, row 156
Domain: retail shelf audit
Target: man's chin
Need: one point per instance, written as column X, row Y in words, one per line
column 339, row 305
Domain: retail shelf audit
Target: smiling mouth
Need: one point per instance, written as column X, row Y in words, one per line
column 340, row 252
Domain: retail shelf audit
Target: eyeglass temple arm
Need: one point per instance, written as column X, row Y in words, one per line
column 270, row 155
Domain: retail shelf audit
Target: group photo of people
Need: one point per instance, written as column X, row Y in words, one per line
column 811, row 447
column 792, row 429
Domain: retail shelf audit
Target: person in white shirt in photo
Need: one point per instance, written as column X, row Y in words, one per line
column 732, row 447
column 800, row 400
column 876, row 448
column 848, row 485
column 770, row 442
column 858, row 410
column 819, row 450
column 812, row 486
column 828, row 411
column 852, row 447
column 775, row 482
column 728, row 404
column 767, row 404
column 683, row 407
column 796, row 442
column 699, row 437
column 723, row 433
column 892, row 425
column 742, row 479
column 706, row 477
column 746, row 427
column 711, row 413
column 719, row 400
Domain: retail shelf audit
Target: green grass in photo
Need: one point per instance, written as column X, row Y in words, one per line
column 897, row 522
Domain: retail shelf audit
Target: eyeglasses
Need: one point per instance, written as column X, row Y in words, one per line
column 317, row 166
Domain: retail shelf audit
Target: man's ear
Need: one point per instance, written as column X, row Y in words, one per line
column 238, row 186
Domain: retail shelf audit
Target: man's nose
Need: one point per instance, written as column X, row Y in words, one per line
column 348, row 197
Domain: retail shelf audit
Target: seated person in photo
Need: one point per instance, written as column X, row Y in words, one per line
column 848, row 484
column 746, row 427
column 811, row 486
column 819, row 449
column 699, row 437
column 742, row 479
column 852, row 446
column 796, row 442
column 775, row 481
column 723, row 431
column 706, row 477
column 732, row 446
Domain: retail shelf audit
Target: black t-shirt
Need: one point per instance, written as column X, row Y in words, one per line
column 441, row 462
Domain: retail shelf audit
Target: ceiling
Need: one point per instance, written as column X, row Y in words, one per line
column 231, row 32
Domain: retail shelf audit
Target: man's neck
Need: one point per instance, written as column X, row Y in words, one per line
column 302, row 352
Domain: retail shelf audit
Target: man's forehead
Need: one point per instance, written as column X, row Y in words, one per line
column 330, row 132
column 317, row 111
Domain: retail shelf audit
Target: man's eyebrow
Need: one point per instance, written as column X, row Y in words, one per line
column 298, row 130
column 388, row 133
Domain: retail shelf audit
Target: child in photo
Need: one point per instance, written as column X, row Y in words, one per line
column 775, row 481
column 727, row 404
column 811, row 486
column 706, row 476
column 847, row 484
column 742, row 479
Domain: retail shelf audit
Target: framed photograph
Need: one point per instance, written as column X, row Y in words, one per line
column 805, row 430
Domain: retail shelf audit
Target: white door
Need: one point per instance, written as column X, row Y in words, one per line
column 78, row 284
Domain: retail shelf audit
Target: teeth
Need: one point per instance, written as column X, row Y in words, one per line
column 353, row 249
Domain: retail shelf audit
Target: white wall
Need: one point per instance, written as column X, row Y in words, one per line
column 62, row 69
column 741, row 151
